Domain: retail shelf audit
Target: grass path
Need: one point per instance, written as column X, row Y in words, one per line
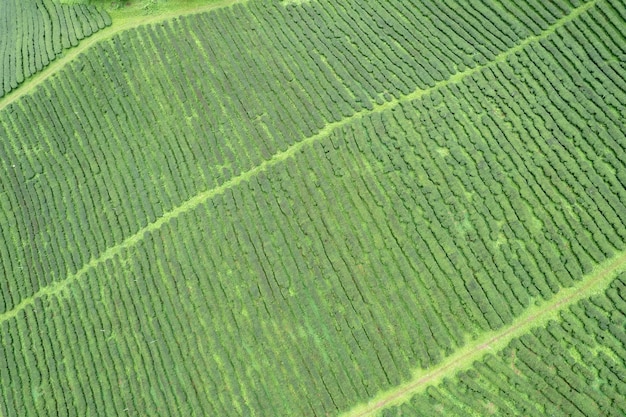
column 594, row 283
column 57, row 287
column 118, row 25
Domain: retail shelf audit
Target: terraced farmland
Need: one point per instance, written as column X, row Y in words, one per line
column 321, row 208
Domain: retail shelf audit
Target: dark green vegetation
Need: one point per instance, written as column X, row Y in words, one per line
column 279, row 209
column 35, row 32
column 571, row 367
column 124, row 9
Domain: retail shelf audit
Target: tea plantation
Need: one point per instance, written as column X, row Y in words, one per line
column 34, row 32
column 317, row 208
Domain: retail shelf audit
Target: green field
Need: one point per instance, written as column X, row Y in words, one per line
column 36, row 32
column 317, row 208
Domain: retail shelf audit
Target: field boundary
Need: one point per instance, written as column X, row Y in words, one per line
column 594, row 283
column 57, row 287
column 107, row 33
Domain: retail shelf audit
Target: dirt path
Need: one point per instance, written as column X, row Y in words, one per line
column 463, row 359
column 106, row 33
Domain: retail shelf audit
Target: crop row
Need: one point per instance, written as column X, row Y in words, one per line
column 36, row 32
column 573, row 366
column 138, row 116
column 408, row 58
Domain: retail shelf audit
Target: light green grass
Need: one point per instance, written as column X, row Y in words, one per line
column 123, row 10
column 155, row 7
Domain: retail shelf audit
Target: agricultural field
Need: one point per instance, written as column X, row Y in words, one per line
column 35, row 32
column 319, row 208
column 572, row 366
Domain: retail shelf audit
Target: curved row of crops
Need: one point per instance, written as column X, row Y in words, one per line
column 571, row 367
column 293, row 226
column 34, row 32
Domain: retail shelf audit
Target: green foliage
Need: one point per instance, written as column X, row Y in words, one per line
column 285, row 209
column 133, row 8
column 35, row 32
column 549, row 371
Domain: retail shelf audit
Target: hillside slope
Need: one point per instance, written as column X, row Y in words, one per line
column 295, row 208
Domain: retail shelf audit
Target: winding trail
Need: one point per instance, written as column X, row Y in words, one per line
column 104, row 34
column 57, row 287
